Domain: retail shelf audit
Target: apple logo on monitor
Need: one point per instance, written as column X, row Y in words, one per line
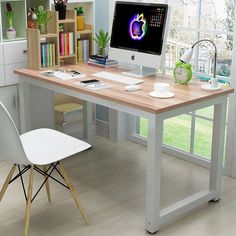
column 137, row 27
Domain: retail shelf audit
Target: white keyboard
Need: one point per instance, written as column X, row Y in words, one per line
column 118, row 78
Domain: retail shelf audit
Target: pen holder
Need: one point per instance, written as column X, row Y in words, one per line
column 61, row 8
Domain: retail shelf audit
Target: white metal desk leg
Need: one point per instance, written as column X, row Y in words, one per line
column 24, row 107
column 89, row 128
column 218, row 147
column 154, row 143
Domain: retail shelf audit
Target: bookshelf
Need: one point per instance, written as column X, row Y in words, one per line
column 41, row 58
column 89, row 14
column 69, row 26
column 40, row 52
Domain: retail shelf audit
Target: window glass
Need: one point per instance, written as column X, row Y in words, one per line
column 224, row 44
column 217, row 15
column 203, row 138
column 177, row 132
column 184, row 13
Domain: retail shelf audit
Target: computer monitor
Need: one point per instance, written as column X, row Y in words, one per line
column 138, row 35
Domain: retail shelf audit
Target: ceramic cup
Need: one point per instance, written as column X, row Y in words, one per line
column 214, row 83
column 161, row 88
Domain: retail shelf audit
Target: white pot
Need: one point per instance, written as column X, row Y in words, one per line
column 11, row 34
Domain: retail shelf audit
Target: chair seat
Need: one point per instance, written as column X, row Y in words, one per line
column 45, row 146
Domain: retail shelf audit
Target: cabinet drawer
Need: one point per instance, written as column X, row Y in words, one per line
column 2, row 80
column 15, row 52
column 1, row 54
column 10, row 76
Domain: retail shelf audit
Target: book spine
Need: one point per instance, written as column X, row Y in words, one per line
column 68, row 43
column 100, row 58
column 65, row 44
column 80, row 51
column 87, row 50
column 62, row 44
column 77, row 50
column 72, row 42
column 83, row 46
column 50, row 54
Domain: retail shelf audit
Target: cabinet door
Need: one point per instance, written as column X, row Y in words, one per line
column 1, row 55
column 15, row 52
column 2, row 77
column 10, row 76
column 8, row 96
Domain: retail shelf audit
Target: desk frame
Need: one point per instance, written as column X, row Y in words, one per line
column 155, row 217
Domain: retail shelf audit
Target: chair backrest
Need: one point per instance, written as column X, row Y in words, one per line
column 11, row 148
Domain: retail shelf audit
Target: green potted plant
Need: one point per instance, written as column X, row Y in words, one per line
column 10, row 31
column 80, row 18
column 42, row 19
column 102, row 39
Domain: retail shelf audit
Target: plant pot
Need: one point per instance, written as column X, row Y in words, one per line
column 102, row 51
column 61, row 11
column 80, row 22
column 42, row 29
column 11, row 33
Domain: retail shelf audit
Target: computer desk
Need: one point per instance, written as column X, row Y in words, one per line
column 139, row 103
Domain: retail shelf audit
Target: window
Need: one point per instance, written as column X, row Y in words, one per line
column 192, row 20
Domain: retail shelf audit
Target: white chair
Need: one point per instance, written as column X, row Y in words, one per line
column 35, row 149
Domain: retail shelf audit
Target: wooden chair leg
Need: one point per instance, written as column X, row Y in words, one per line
column 47, row 184
column 28, row 203
column 73, row 193
column 6, row 183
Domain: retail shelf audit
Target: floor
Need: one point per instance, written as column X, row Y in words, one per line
column 111, row 181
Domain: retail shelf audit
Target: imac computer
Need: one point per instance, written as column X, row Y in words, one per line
column 138, row 35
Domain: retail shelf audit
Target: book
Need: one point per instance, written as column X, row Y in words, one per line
column 100, row 58
column 108, row 62
column 101, row 65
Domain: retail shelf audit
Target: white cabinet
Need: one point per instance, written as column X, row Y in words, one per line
column 14, row 56
column 15, row 52
column 8, row 96
column 10, row 76
column 2, row 77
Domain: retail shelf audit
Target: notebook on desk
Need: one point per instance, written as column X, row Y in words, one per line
column 64, row 75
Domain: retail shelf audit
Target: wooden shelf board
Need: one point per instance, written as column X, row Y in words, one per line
column 67, row 56
column 66, row 21
column 49, row 67
column 86, row 31
column 50, row 35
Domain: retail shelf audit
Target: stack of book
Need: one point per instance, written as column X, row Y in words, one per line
column 102, row 61
column 82, row 50
column 69, row 119
column 66, row 43
column 48, row 54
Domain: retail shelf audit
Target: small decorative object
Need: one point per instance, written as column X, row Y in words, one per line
column 42, row 19
column 60, row 6
column 32, row 19
column 80, row 18
column 10, row 31
column 102, row 40
column 183, row 72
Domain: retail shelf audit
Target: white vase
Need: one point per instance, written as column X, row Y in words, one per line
column 11, row 33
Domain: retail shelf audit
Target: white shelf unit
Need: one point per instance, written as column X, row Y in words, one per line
column 89, row 13
column 19, row 19
column 13, row 54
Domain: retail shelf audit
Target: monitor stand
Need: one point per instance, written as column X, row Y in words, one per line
column 141, row 72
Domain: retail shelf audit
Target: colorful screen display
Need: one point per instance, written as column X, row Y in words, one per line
column 139, row 27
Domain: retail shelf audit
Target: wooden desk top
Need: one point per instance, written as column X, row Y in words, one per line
column 184, row 95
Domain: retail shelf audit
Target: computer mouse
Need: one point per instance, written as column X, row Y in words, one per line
column 132, row 87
